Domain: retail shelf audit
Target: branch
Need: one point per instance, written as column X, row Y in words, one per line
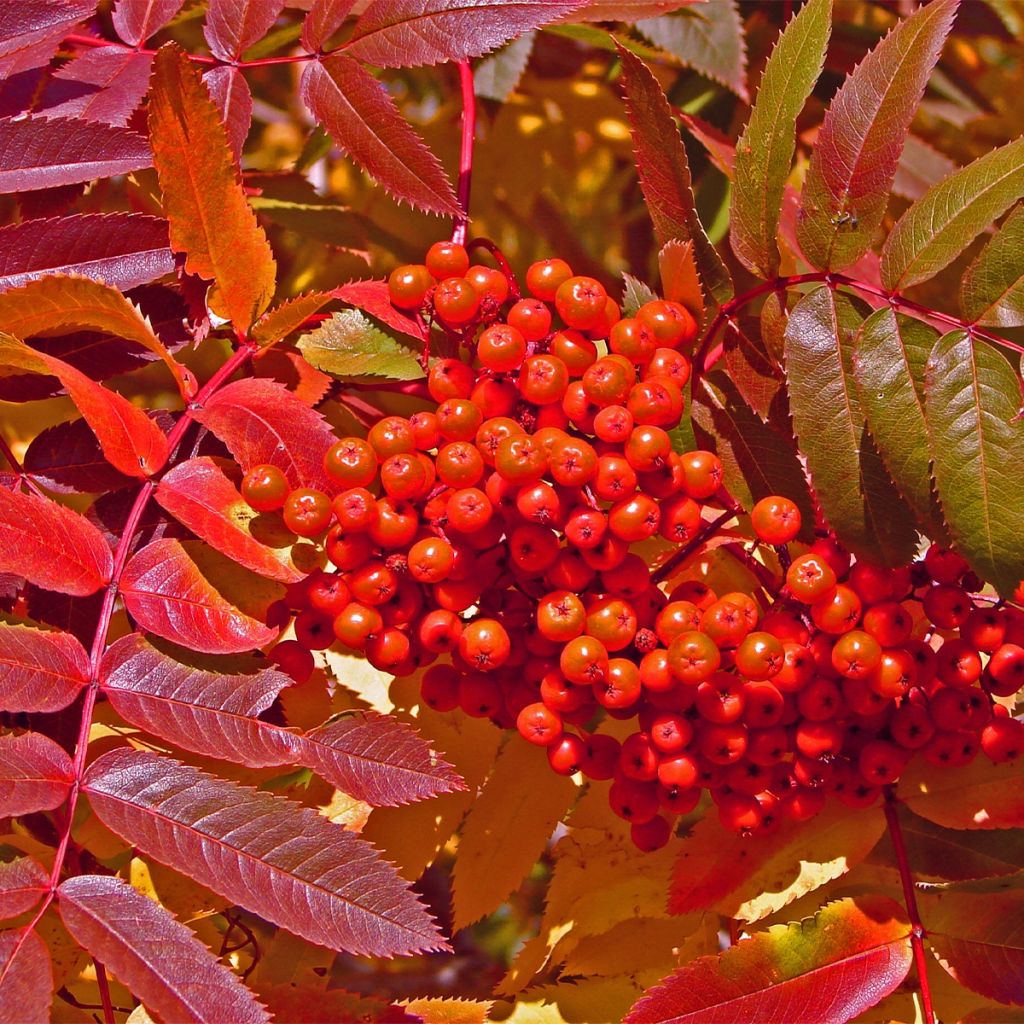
column 77, row 39
column 466, row 149
column 708, row 530
column 18, row 469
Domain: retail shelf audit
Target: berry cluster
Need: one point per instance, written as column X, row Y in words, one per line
column 512, row 511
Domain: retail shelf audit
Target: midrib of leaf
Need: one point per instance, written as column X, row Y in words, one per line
column 314, row 740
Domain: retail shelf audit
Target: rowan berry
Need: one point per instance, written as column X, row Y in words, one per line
column 307, row 512
column 447, row 259
column 484, row 645
column 776, row 520
column 671, row 323
column 265, row 488
column 580, row 302
column 456, row 301
column 408, row 286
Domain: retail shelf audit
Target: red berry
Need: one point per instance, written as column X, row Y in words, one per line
column 776, row 520
column 265, row 488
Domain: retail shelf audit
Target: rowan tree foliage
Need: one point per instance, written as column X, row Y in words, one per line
column 511, row 511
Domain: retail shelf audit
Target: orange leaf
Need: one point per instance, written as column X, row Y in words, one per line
column 680, row 281
column 210, row 220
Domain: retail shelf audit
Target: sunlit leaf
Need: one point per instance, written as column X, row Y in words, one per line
column 40, row 670
column 372, row 297
column 680, row 281
column 231, row 95
column 325, row 17
column 349, row 347
column 497, row 75
column 289, row 316
column 234, row 25
column 22, row 885
column 992, row 290
column 136, row 20
column 26, row 977
column 35, row 774
column 106, row 84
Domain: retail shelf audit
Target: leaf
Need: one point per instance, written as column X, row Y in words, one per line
column 40, row 670
column 750, row 879
column 26, row 978
column 166, row 592
column 51, row 546
column 22, row 885
column 625, row 10
column 853, row 953
column 758, row 461
column 507, row 829
column 314, row 1005
column 364, row 122
column 349, row 347
column 497, row 75
column 31, row 20
column 764, row 153
column 408, row 33
column 72, row 301
column 665, row 173
column 720, row 148
column 857, row 497
column 858, row 147
column 232, row 26
column 121, row 249
column 131, row 441
column 210, row 220
column 372, row 297
column 921, row 166
column 709, row 40
column 377, row 759
column 278, row 859
column 450, row 1011
column 755, row 372
column 680, row 281
column 231, row 96
column 950, row 215
column 979, row 795
column 972, row 401
column 992, row 289
column 262, row 422
column 889, row 359
column 106, row 85
column 153, row 954
column 974, row 930
column 325, row 17
column 42, row 152
column 136, row 20
column 67, row 459
column 289, row 316
column 200, row 496
column 35, row 774
column 957, row 855
column 634, row 294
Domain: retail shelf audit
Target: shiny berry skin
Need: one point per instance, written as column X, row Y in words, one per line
column 265, row 488
column 544, row 277
column 351, row 462
column 459, row 464
column 650, row 835
column 1006, row 670
column 760, row 656
column 561, row 616
column 636, row 802
column 776, row 520
column 391, row 436
column 538, row 724
column 703, row 474
column 576, row 351
column 584, row 661
column 355, row 623
column 484, row 645
column 531, row 317
column 671, row 323
column 408, row 286
column 580, row 302
column 293, row 660
column 456, row 301
column 447, row 259
column 543, row 379
column 1002, row 740
column 520, row 459
column 943, row 565
column 501, row 348
column 693, row 657
column 488, row 283
column 431, row 560
column 307, row 512
column 856, row 654
column 838, row 611
column 402, row 476
column 450, row 378
column 566, row 755
column 633, row 339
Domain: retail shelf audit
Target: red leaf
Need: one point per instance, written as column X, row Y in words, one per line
column 22, row 884
column 206, row 712
column 154, row 955
column 68, row 459
column 121, row 249
column 200, row 496
column 35, row 774
column 136, row 20
column 680, row 281
column 377, row 759
column 26, row 978
column 363, row 120
column 75, row 615
column 261, row 421
column 830, row 969
column 278, row 859
column 665, row 173
column 277, row 323
column 857, row 151
column 105, row 85
column 305, row 381
column 52, row 546
column 29, row 21
column 130, row 440
column 167, row 593
column 39, row 670
column 324, row 19
column 407, row 33
column 234, row 25
column 230, row 93
column 373, row 297
column 41, row 152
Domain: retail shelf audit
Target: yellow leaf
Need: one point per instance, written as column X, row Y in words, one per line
column 358, row 676
column 449, row 1011
column 585, row 1002
column 347, row 810
column 507, row 829
column 68, row 957
column 210, row 220
column 187, row 900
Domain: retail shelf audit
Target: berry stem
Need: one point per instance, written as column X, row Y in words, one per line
column 917, row 932
column 708, row 530
column 465, row 149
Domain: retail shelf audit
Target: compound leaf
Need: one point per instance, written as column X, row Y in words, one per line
column 349, row 347
column 35, row 774
column 106, row 84
column 40, row 670
column 992, row 290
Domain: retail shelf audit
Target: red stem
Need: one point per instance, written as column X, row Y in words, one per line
column 121, row 553
column 77, row 39
column 18, row 469
column 917, row 932
column 709, row 529
column 465, row 150
column 104, row 987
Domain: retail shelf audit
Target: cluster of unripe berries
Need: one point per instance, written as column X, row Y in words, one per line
column 493, row 538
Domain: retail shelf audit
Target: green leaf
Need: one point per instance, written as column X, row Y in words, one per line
column 950, row 215
column 859, row 500
column 764, row 152
column 635, row 294
column 350, row 347
column 888, row 363
column 858, row 147
column 757, row 460
column 992, row 290
column 665, row 173
column 496, row 76
column 972, row 399
column 710, row 40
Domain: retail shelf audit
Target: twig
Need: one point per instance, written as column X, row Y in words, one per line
column 18, row 469
column 709, row 529
column 465, row 149
column 917, row 932
column 77, row 39
column 104, row 987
